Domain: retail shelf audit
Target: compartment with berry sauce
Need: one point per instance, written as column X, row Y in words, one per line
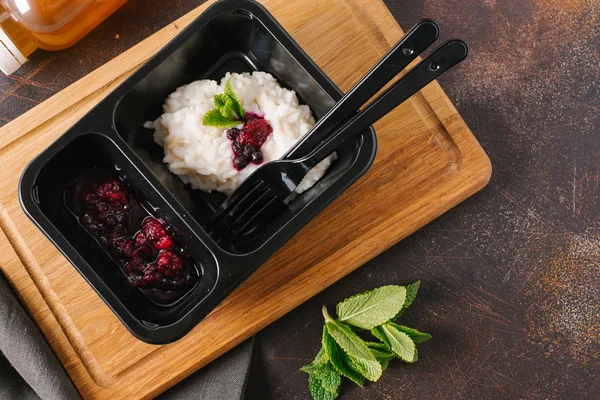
column 117, row 229
column 143, row 246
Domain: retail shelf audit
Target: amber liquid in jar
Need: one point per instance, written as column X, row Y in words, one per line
column 58, row 24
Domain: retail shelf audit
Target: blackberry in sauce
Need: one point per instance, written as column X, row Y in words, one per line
column 247, row 141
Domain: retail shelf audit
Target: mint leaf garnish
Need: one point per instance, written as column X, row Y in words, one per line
column 369, row 309
column 354, row 346
column 220, row 100
column 344, row 353
column 411, row 294
column 415, row 335
column 398, row 342
column 216, row 119
column 237, row 105
column 228, row 110
column 340, row 360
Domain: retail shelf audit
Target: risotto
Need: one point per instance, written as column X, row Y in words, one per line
column 206, row 157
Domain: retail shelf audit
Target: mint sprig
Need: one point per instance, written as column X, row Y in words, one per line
column 345, row 353
column 228, row 110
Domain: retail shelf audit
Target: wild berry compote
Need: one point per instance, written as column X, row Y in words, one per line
column 247, row 141
column 142, row 245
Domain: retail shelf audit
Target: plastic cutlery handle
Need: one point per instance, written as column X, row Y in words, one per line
column 419, row 38
column 441, row 60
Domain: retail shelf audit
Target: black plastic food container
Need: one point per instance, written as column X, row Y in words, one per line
column 232, row 35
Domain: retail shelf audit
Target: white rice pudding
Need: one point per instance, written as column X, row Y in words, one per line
column 202, row 156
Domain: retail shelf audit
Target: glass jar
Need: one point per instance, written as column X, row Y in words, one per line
column 54, row 24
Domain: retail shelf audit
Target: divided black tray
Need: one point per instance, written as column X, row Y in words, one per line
column 231, row 35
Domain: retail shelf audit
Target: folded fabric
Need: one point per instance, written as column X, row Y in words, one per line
column 223, row 379
column 28, row 367
column 29, row 370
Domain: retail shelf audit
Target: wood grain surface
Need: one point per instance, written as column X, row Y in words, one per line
column 428, row 161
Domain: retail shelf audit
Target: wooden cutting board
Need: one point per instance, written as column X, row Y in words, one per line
column 428, row 161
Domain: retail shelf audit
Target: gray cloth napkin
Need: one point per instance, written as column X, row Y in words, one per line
column 223, row 379
column 30, row 370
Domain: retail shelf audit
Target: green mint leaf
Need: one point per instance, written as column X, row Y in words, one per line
column 220, row 100
column 226, row 107
column 318, row 391
column 237, row 105
column 355, row 364
column 384, row 364
column 316, row 365
column 322, row 375
column 331, row 380
column 362, row 358
column 411, row 294
column 382, row 354
column 370, row 309
column 228, row 110
column 216, row 119
column 415, row 335
column 380, row 351
column 377, row 346
column 398, row 342
column 339, row 359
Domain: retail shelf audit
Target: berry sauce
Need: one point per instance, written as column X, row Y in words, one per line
column 246, row 142
column 142, row 245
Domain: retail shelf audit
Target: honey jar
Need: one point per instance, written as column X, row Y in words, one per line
column 46, row 24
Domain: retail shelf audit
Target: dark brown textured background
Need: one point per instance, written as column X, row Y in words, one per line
column 511, row 277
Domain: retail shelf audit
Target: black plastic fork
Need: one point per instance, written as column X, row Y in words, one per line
column 408, row 48
column 274, row 182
